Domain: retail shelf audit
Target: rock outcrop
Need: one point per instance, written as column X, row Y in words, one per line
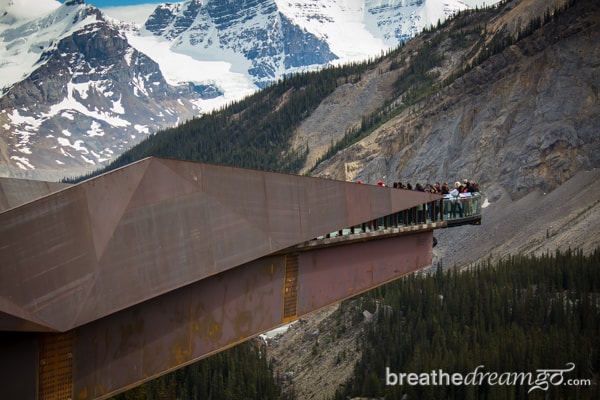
column 90, row 96
column 524, row 119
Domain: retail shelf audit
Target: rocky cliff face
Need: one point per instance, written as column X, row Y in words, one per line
column 524, row 123
column 269, row 42
column 90, row 96
column 524, row 119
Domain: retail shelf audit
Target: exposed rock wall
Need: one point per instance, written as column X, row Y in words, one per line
column 525, row 119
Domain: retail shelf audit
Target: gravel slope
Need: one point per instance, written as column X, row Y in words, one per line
column 567, row 217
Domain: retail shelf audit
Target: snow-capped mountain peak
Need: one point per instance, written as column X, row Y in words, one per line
column 77, row 88
column 19, row 10
column 26, row 35
column 75, row 93
column 254, row 36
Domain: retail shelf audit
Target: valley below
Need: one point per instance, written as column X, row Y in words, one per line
column 500, row 98
column 316, row 355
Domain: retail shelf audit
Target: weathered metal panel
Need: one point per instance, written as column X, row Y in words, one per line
column 180, row 327
column 321, row 196
column 151, row 251
column 15, row 192
column 163, row 262
column 108, row 197
column 149, row 228
column 330, row 274
column 359, row 202
column 286, row 201
column 47, row 258
column 167, row 332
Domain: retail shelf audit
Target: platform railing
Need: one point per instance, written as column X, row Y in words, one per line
column 422, row 214
column 461, row 210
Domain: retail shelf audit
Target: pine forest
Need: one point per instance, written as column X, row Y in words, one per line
column 519, row 315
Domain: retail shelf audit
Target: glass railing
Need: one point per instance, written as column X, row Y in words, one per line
column 422, row 214
column 464, row 209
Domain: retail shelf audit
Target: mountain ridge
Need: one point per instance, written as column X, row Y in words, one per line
column 197, row 56
column 512, row 103
column 486, row 118
column 485, row 97
column 538, row 166
column 71, row 108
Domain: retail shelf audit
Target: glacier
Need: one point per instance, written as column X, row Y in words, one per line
column 79, row 85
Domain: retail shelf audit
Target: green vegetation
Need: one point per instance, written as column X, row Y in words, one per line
column 523, row 314
column 419, row 79
column 252, row 133
column 519, row 315
column 238, row 373
column 256, row 132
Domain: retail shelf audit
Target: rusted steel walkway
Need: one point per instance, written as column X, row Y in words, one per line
column 124, row 277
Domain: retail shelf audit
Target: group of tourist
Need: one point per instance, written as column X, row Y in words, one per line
column 457, row 202
column 466, row 186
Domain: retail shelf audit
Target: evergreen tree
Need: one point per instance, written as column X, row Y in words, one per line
column 519, row 315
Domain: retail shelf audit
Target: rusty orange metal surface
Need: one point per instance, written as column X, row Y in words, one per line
column 164, row 262
column 183, row 326
column 15, row 192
